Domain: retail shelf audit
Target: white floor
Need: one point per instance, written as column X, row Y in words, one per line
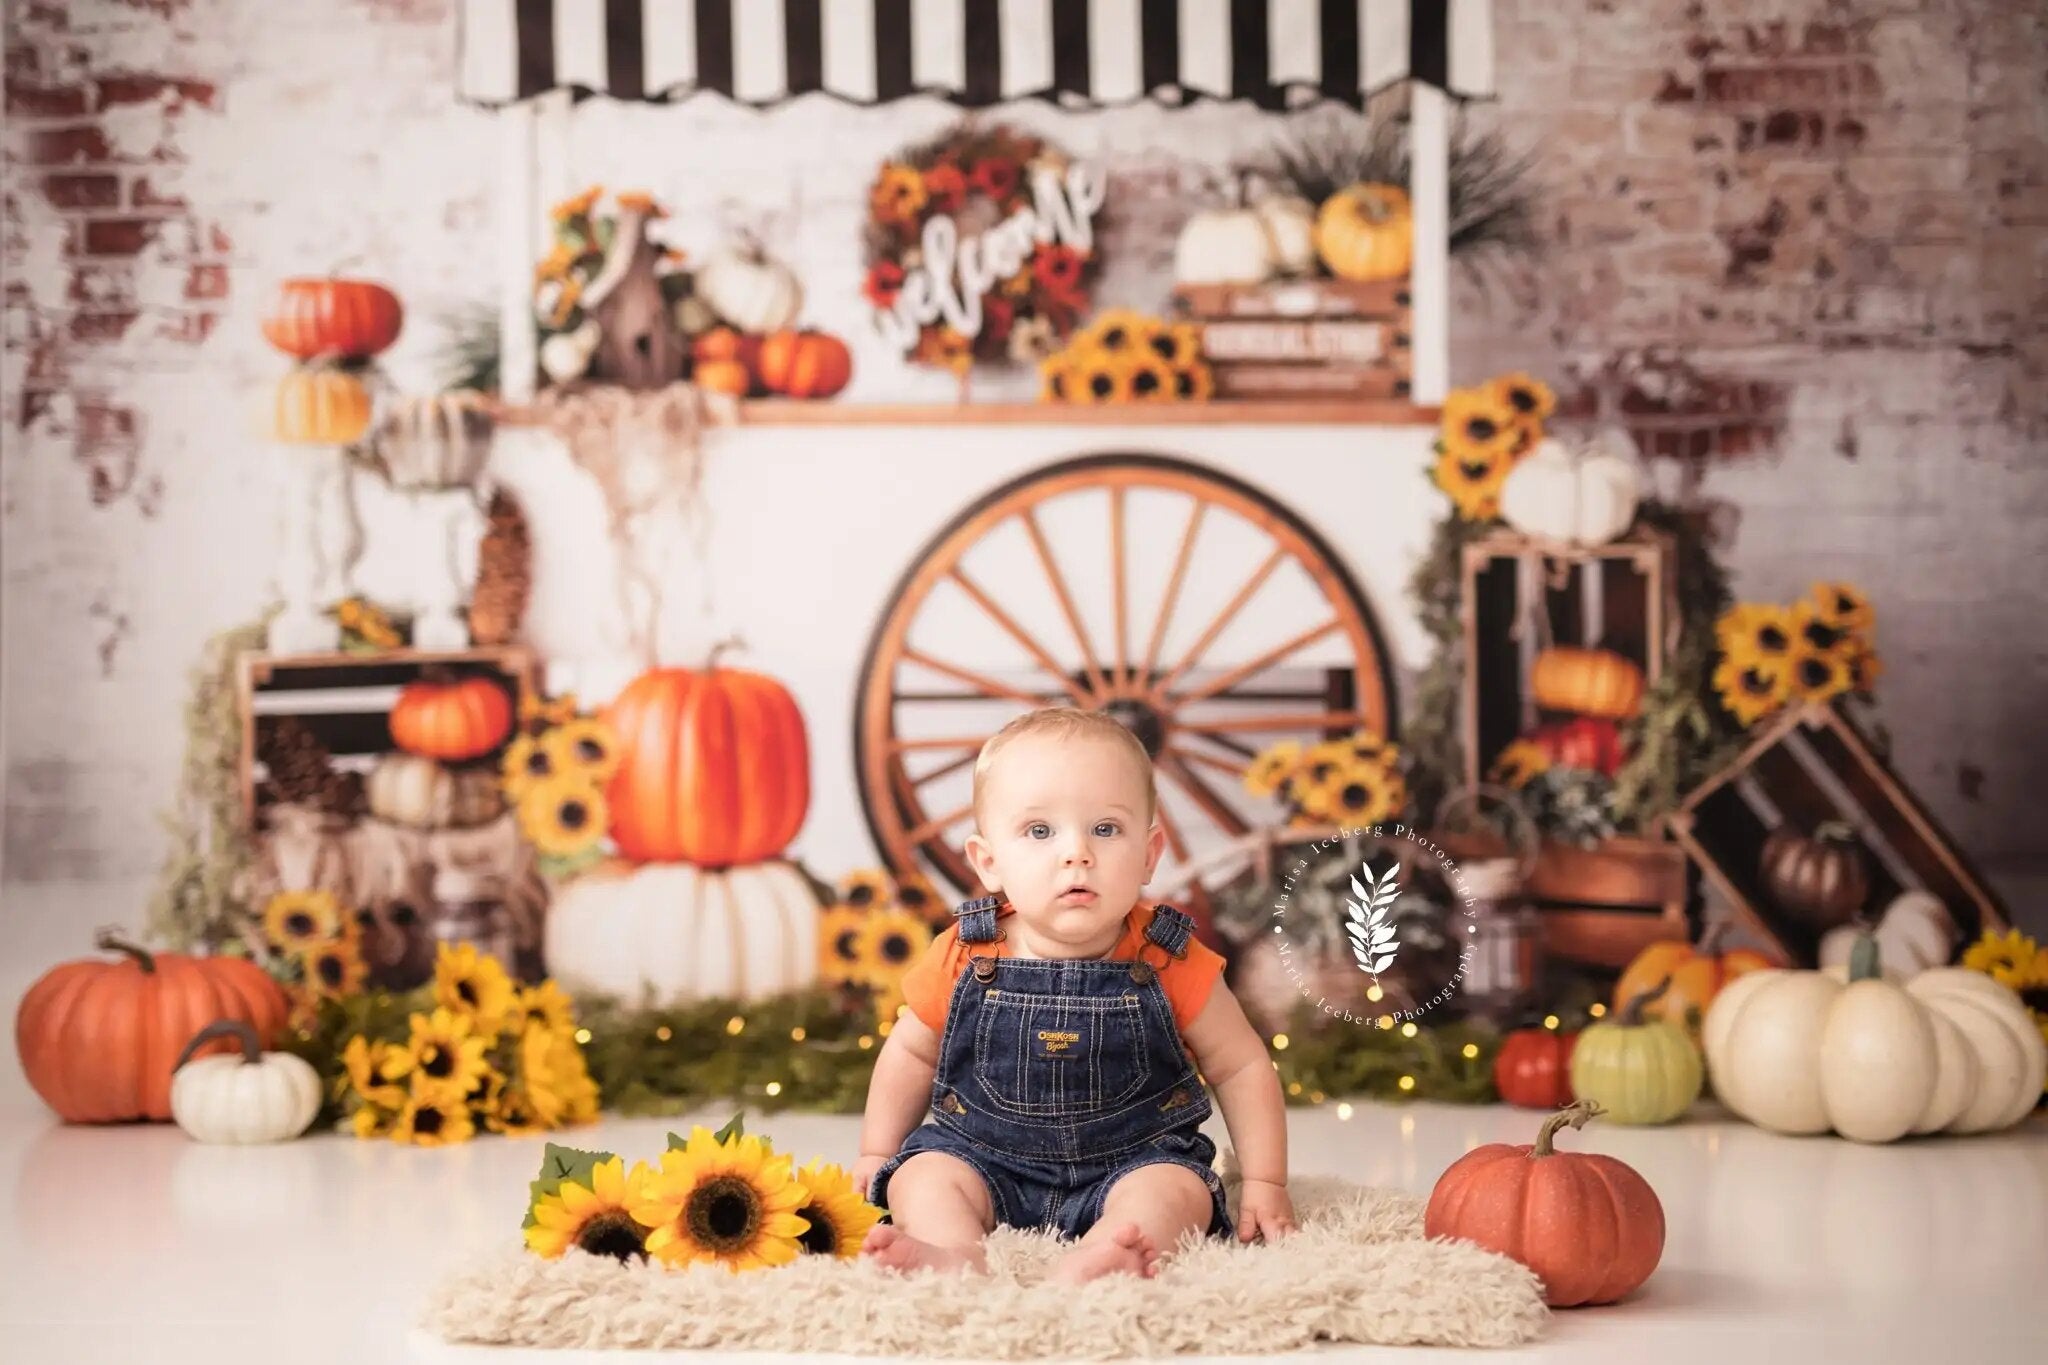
column 133, row 1244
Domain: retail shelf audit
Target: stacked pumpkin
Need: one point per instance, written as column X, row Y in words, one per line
column 441, row 725
column 1568, row 759
column 1362, row 232
column 711, row 782
column 742, row 318
column 333, row 328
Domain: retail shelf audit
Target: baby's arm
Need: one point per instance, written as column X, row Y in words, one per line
column 899, row 1093
column 1234, row 1063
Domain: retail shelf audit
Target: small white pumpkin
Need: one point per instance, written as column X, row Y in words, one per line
column 565, row 356
column 1580, row 499
column 257, row 1096
column 1914, row 933
column 440, row 441
column 1290, row 223
column 750, row 291
column 1224, row 246
column 1845, row 1050
column 420, row 793
column 673, row 933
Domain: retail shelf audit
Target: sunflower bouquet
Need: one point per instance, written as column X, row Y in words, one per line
column 1127, row 357
column 1814, row 649
column 2014, row 960
column 581, row 236
column 1486, row 429
column 875, row 927
column 554, row 774
column 724, row 1199
column 1355, row 780
column 315, row 949
column 474, row 1051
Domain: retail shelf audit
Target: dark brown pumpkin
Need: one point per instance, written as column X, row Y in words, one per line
column 1820, row 880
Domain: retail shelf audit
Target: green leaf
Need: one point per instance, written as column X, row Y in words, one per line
column 731, row 1130
column 559, row 1164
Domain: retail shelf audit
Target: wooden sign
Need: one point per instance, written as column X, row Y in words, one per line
column 1316, row 338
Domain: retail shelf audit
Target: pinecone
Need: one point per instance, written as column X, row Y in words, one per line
column 299, row 770
column 504, row 574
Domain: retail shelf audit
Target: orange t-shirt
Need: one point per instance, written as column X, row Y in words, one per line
column 928, row 985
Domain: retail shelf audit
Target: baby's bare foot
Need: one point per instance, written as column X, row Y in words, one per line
column 898, row 1250
column 1126, row 1251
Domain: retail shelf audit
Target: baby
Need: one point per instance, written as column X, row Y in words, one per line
column 1056, row 1032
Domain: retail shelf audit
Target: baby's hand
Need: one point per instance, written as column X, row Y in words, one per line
column 863, row 1172
column 1264, row 1210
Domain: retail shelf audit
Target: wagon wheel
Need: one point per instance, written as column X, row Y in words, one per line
column 991, row 582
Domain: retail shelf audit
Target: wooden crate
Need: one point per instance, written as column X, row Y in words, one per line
column 1601, row 905
column 1295, row 339
column 1617, row 596
column 1810, row 765
column 345, row 700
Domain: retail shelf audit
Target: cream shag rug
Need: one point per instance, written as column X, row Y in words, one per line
column 1357, row 1270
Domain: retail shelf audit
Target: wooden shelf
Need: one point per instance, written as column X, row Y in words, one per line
column 796, row 412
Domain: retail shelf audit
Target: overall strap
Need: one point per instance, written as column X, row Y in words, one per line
column 1170, row 929
column 977, row 919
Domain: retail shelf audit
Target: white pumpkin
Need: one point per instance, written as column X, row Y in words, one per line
column 566, row 355
column 420, row 793
column 1290, row 223
column 1914, row 933
column 1224, row 246
column 255, row 1096
column 1845, row 1050
column 673, row 933
column 748, row 290
column 1580, row 499
column 436, row 442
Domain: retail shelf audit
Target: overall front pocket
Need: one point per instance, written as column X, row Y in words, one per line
column 1056, row 1054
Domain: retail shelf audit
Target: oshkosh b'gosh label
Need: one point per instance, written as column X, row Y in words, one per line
column 1054, row 1042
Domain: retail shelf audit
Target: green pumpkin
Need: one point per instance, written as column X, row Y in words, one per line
column 1639, row 1071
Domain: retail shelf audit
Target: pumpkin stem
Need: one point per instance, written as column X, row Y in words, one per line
column 110, row 941
column 1632, row 1012
column 1710, row 941
column 1576, row 1113
column 237, row 1029
column 1835, row 832
column 1863, row 960
column 729, row 642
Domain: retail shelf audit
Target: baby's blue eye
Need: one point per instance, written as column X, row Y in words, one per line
column 1032, row 829
column 1106, row 829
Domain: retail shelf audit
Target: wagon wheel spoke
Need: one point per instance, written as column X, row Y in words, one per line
column 1223, row 618
column 1297, row 720
column 986, row 686
column 1222, row 765
column 1212, row 805
column 1258, row 665
column 1173, row 839
column 1065, row 598
column 941, row 823
column 1017, row 633
column 1173, row 586
column 973, row 742
column 965, row 760
column 1119, row 590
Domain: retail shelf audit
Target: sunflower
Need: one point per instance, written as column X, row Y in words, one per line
column 594, row 1217
column 433, row 1119
column 916, row 894
column 2008, row 958
column 586, row 748
column 838, row 1216
column 548, row 1007
column 898, row 195
column 889, row 942
column 1528, row 398
column 865, row 888
column 1519, row 763
column 1273, row 767
column 1474, row 480
column 335, row 970
column 564, row 816
column 474, row 985
column 731, row 1203
column 372, row 1121
column 1324, row 760
column 556, row 263
column 565, row 302
column 1151, row 379
column 1119, row 332
column 538, row 713
column 939, row 345
column 1864, row 668
column 556, row 1080
column 1842, row 606
column 1752, row 688
column 576, row 205
column 514, row 1115
column 1194, row 383
column 372, row 1067
column 1365, row 794
column 1753, row 631
column 486, row 1094
column 1311, row 802
column 1103, row 378
column 1814, row 634
column 1478, row 425
column 527, row 763
column 1817, row 676
column 839, row 960
column 297, row 921
column 447, row 1054
column 1056, row 375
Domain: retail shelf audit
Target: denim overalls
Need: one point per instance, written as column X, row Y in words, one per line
column 1059, row 1076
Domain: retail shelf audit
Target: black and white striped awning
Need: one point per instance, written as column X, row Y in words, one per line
column 1279, row 54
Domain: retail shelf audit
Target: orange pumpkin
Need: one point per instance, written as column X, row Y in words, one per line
column 1533, row 1067
column 1366, row 232
column 98, row 1039
column 321, row 407
column 330, row 317
column 723, row 343
column 805, row 364
column 1697, row 974
column 1587, row 682
column 714, row 767
column 724, row 376
column 451, row 719
column 1589, row 1226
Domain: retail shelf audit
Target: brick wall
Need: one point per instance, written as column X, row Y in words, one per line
column 1797, row 245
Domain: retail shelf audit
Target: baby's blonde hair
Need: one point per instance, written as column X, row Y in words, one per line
column 1064, row 722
